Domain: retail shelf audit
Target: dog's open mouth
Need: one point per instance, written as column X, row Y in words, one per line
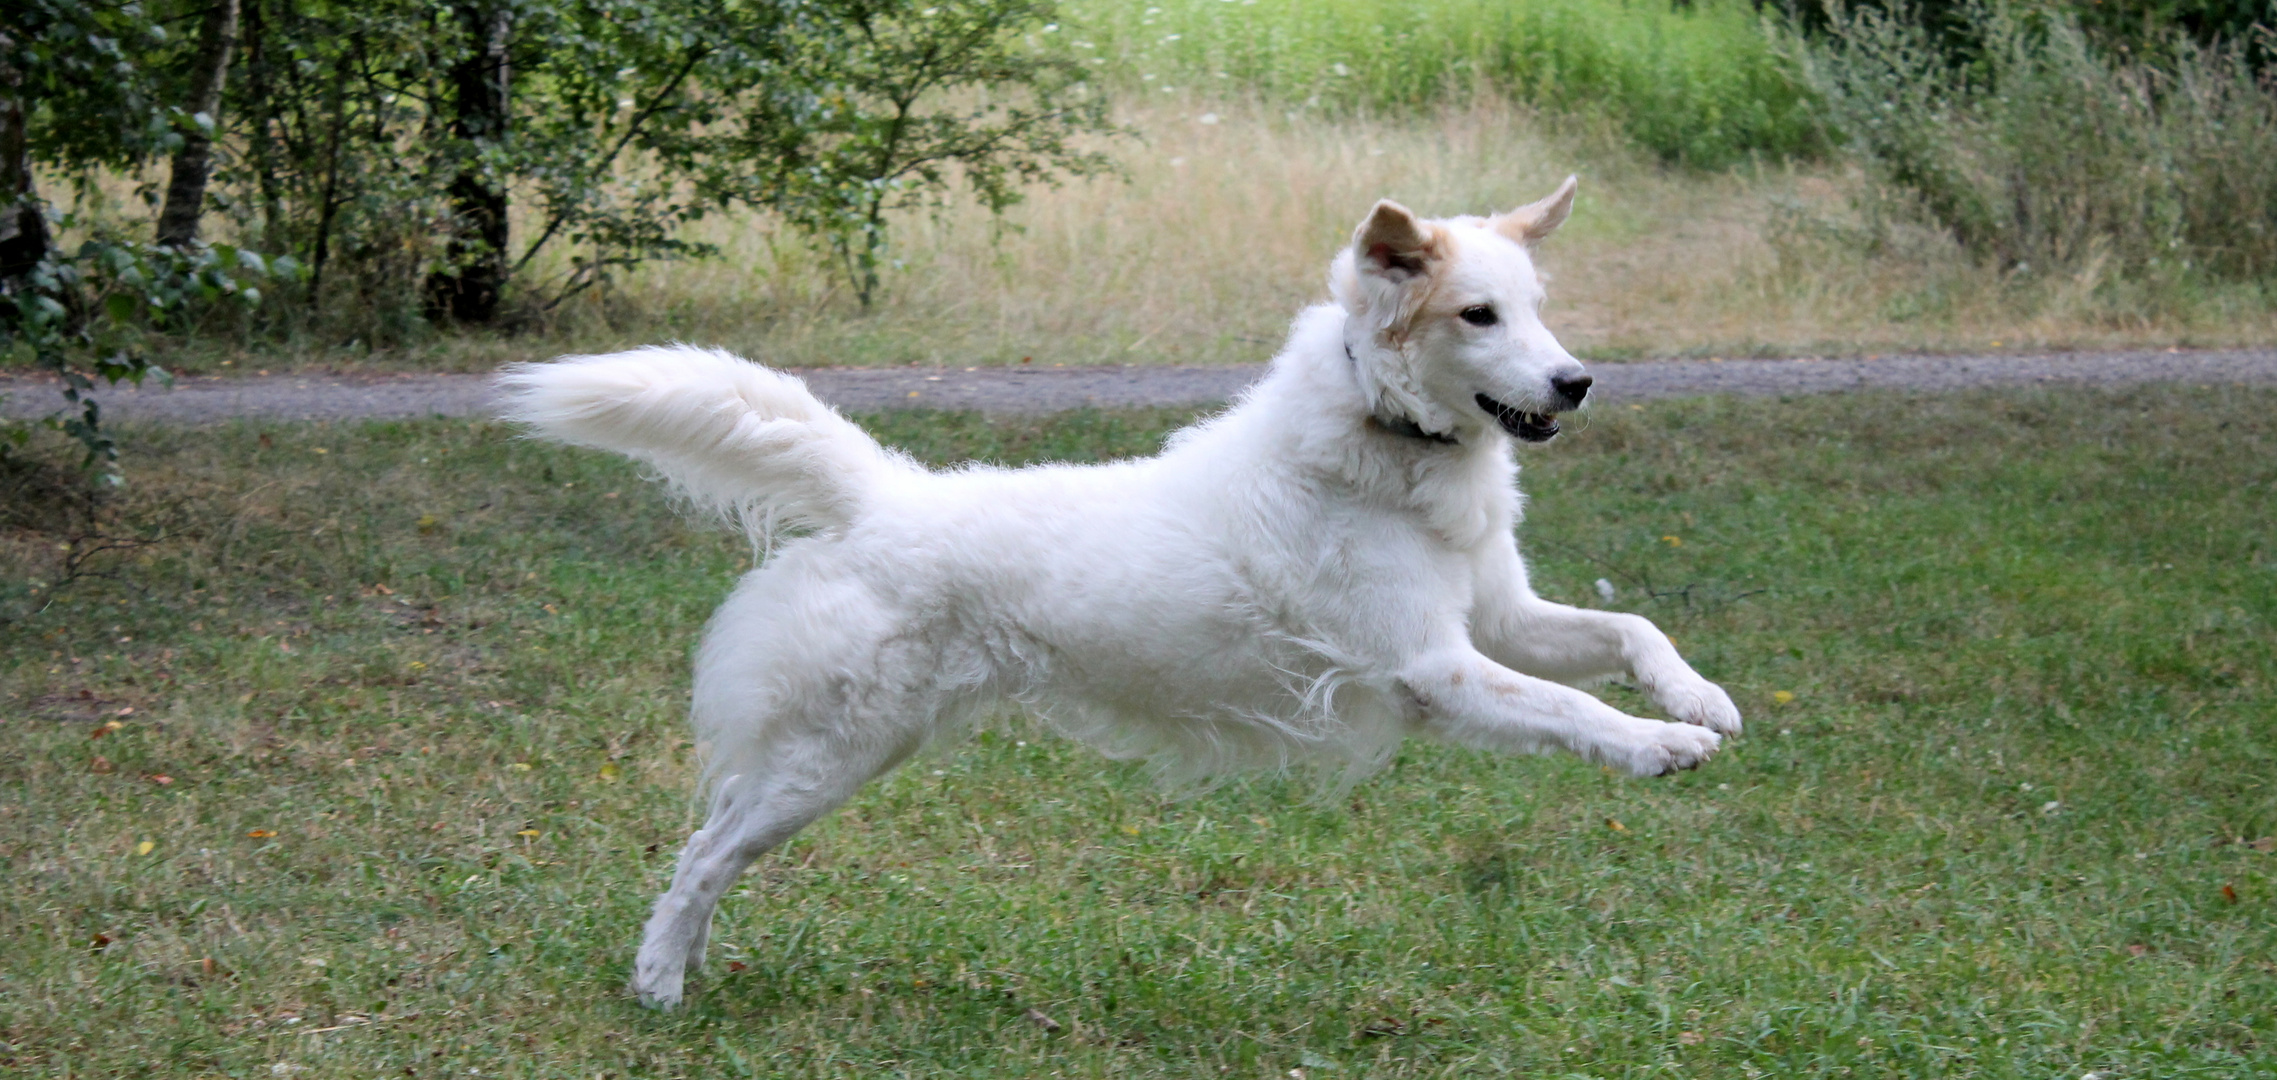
column 1526, row 426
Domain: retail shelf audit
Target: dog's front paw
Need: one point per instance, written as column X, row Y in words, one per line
column 1657, row 749
column 1700, row 702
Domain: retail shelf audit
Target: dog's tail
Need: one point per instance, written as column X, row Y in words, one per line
column 739, row 440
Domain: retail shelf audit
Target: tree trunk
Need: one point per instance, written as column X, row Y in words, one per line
column 262, row 145
column 193, row 163
column 23, row 227
column 468, row 289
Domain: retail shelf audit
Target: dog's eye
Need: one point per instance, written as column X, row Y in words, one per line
column 1479, row 315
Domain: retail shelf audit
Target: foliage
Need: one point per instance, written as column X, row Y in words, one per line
column 89, row 315
column 85, row 68
column 88, row 99
column 877, row 105
column 2140, row 27
column 349, row 138
column 357, row 147
column 353, row 142
column 2150, row 26
column 2046, row 152
column 401, row 724
column 1697, row 84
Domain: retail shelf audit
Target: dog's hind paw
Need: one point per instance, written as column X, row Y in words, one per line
column 657, row 985
column 1665, row 748
column 657, row 997
column 1702, row 703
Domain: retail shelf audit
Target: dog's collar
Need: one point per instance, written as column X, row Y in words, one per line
column 1400, row 425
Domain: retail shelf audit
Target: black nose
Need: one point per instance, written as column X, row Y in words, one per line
column 1574, row 389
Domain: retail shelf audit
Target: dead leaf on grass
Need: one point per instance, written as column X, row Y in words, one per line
column 1037, row 1017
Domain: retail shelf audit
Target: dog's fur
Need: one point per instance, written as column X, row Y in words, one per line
column 1311, row 576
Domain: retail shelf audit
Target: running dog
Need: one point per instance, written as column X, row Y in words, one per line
column 1313, row 575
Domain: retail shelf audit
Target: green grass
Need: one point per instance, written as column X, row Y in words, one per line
column 2028, row 638
column 1703, row 86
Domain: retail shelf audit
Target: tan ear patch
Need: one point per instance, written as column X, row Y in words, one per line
column 1394, row 242
column 1530, row 223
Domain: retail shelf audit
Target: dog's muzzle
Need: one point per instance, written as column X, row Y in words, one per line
column 1538, row 426
column 1522, row 425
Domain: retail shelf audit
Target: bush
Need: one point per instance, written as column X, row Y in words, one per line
column 1702, row 86
column 2044, row 152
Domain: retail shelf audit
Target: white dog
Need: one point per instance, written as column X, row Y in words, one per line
column 1311, row 576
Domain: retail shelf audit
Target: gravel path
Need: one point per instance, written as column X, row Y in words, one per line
column 1043, row 390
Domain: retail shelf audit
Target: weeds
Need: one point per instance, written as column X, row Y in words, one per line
column 2044, row 155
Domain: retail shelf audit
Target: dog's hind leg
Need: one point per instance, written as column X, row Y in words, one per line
column 752, row 814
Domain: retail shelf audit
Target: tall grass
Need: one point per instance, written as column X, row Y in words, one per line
column 2046, row 153
column 1702, row 86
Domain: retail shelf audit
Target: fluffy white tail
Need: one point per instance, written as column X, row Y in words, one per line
column 747, row 443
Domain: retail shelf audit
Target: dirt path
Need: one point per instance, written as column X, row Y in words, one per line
column 1043, row 390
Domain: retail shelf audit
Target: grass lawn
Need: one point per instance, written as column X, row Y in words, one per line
column 405, row 765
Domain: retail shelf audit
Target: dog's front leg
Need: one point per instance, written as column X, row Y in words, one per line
column 1570, row 645
column 1468, row 699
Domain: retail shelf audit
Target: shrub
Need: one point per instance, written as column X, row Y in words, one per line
column 2046, row 152
column 1701, row 85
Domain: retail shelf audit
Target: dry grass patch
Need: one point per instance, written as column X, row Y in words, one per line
column 1228, row 214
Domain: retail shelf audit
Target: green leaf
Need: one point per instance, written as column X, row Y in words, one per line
column 120, row 305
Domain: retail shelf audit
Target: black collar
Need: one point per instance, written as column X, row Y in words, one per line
column 1401, row 425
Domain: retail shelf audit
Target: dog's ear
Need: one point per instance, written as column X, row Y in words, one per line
column 1393, row 243
column 1530, row 223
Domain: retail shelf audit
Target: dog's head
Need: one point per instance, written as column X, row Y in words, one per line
column 1445, row 320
